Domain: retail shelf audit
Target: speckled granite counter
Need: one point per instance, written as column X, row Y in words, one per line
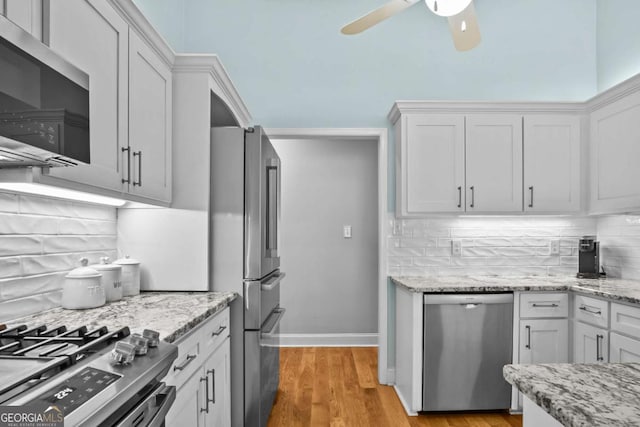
column 582, row 394
column 172, row 314
column 614, row 289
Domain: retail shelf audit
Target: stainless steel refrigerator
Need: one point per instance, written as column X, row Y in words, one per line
column 244, row 239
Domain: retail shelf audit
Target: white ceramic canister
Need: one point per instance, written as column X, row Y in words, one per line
column 82, row 288
column 130, row 275
column 111, row 278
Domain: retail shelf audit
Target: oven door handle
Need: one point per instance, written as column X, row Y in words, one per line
column 272, row 282
column 273, row 321
column 156, row 406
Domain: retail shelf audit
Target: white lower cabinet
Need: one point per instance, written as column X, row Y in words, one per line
column 623, row 349
column 544, row 341
column 590, row 344
column 201, row 376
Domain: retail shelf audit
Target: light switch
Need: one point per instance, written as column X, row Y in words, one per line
column 554, row 247
column 347, row 232
column 456, row 247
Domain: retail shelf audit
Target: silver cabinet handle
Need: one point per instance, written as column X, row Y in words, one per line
column 128, row 150
column 584, row 308
column 189, row 359
column 139, row 155
column 599, row 339
column 459, row 197
column 530, row 197
column 528, row 345
column 545, row 305
column 206, row 387
column 473, row 196
column 213, row 384
column 219, row 331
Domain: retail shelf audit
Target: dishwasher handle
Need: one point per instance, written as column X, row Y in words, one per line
column 465, row 299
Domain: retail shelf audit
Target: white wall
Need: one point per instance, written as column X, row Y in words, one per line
column 490, row 245
column 331, row 285
column 41, row 239
column 619, row 237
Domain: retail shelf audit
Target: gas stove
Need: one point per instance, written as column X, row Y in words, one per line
column 94, row 377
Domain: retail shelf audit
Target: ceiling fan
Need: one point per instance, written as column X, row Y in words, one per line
column 460, row 13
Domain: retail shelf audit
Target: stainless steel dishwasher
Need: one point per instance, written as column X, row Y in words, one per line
column 467, row 341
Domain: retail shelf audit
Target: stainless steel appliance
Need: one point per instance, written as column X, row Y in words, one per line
column 245, row 257
column 88, row 379
column 588, row 258
column 44, row 104
column 467, row 341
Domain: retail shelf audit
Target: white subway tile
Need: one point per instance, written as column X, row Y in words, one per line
column 78, row 243
column 418, row 243
column 20, row 245
column 87, row 211
column 9, row 202
column 41, row 264
column 10, row 267
column 38, row 205
column 569, row 260
column 506, row 261
column 563, row 271
column 440, row 251
column 431, row 261
column 10, row 310
column 87, row 227
column 397, row 261
column 393, row 271
column 31, row 285
column 414, row 271
column 490, row 251
column 409, row 252
column 444, row 243
column 27, row 224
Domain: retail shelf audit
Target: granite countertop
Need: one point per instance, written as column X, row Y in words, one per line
column 582, row 394
column 615, row 289
column 172, row 314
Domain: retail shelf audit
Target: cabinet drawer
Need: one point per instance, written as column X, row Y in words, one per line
column 591, row 310
column 625, row 319
column 189, row 359
column 623, row 349
column 543, row 304
column 216, row 330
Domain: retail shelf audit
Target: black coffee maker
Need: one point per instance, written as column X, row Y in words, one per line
column 588, row 258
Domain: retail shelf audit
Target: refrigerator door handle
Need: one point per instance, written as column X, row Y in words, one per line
column 272, row 282
column 273, row 321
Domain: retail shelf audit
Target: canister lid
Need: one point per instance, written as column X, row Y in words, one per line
column 83, row 272
column 126, row 261
column 105, row 265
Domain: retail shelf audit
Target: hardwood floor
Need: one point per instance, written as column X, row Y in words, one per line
column 322, row 386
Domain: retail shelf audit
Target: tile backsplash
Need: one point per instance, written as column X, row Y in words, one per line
column 619, row 238
column 41, row 239
column 488, row 245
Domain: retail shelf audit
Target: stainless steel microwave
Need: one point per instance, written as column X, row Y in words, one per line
column 44, row 104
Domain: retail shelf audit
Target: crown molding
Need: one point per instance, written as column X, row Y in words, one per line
column 211, row 64
column 327, row 133
column 417, row 107
column 613, row 94
column 134, row 17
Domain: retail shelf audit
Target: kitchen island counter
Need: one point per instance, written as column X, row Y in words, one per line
column 581, row 394
column 172, row 314
column 614, row 289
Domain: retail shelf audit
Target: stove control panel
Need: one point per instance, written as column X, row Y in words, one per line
column 77, row 389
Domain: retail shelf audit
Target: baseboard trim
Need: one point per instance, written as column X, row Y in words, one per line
column 328, row 340
column 404, row 403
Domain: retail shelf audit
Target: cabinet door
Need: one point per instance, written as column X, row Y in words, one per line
column 27, row 14
column 614, row 153
column 217, row 369
column 186, row 409
column 551, row 163
column 92, row 36
column 149, row 121
column 432, row 164
column 544, row 341
column 623, row 349
column 494, row 163
column 590, row 344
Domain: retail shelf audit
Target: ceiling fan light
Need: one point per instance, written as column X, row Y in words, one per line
column 447, row 7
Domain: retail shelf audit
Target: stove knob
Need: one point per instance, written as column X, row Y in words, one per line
column 123, row 353
column 140, row 343
column 152, row 336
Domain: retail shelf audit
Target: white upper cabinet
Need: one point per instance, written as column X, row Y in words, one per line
column 27, row 14
column 93, row 37
column 150, row 118
column 551, row 163
column 432, row 164
column 615, row 153
column 494, row 163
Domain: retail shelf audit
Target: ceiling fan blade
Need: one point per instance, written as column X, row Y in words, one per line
column 375, row 16
column 464, row 29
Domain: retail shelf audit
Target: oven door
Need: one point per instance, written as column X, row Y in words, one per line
column 151, row 411
column 262, row 369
